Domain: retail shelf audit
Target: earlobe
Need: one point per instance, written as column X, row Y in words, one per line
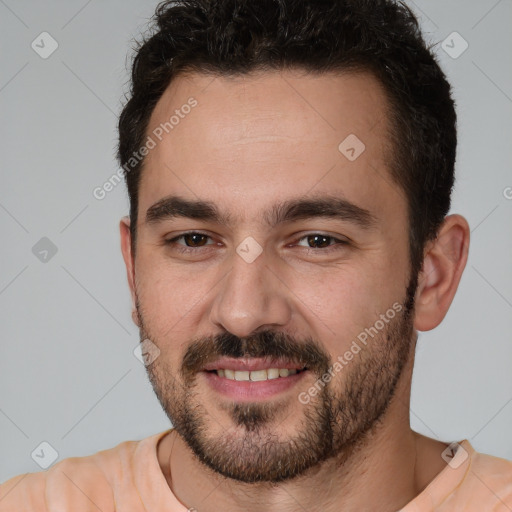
column 135, row 317
column 443, row 264
column 126, row 249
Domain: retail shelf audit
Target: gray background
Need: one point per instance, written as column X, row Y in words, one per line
column 68, row 375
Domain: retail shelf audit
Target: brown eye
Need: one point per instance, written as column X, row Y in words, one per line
column 189, row 241
column 321, row 243
column 194, row 239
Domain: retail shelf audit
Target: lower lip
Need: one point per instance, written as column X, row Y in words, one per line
column 246, row 390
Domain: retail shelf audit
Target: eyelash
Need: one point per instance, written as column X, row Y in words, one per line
column 186, row 249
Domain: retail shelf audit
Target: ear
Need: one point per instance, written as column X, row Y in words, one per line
column 443, row 264
column 126, row 249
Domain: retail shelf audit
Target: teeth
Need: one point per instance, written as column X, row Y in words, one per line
column 241, row 375
column 257, row 375
column 272, row 373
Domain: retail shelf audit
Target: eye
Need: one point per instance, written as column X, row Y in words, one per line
column 320, row 241
column 191, row 239
column 194, row 241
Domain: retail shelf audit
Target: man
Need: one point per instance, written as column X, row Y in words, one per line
column 289, row 166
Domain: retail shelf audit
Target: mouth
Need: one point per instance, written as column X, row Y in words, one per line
column 252, row 379
column 255, row 375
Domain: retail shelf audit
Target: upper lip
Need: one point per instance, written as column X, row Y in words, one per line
column 251, row 364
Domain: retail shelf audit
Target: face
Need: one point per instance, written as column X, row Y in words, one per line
column 272, row 267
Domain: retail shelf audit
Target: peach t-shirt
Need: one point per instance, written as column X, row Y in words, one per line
column 128, row 478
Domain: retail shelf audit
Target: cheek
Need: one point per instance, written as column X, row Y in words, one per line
column 333, row 304
column 175, row 300
column 164, row 295
column 340, row 303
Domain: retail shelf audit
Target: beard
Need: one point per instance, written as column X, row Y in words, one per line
column 334, row 424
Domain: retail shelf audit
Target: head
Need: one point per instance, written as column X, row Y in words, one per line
column 289, row 167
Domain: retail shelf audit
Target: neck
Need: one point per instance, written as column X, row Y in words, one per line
column 388, row 469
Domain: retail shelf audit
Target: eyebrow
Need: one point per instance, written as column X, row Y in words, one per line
column 172, row 207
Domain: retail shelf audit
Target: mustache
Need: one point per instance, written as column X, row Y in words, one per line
column 274, row 345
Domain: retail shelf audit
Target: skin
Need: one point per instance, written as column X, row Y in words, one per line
column 251, row 142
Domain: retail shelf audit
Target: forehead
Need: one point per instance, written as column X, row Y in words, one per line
column 245, row 140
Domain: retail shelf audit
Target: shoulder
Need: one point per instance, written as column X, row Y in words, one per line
column 488, row 483
column 491, row 463
column 492, row 469
column 81, row 484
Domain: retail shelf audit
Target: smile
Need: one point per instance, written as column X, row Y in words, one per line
column 253, row 379
column 256, row 375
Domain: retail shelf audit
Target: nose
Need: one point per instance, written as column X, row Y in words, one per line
column 251, row 297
